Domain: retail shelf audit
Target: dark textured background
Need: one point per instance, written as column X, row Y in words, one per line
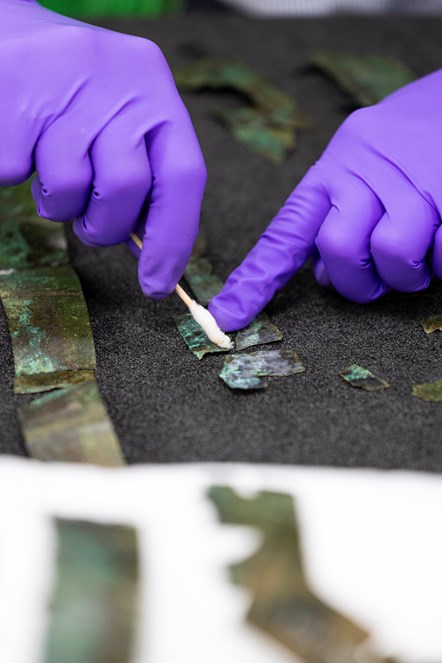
column 166, row 405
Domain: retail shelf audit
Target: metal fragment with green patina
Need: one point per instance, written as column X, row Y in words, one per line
column 429, row 391
column 194, row 336
column 282, row 603
column 432, row 324
column 260, row 332
column 268, row 125
column 71, row 425
column 48, row 322
column 362, row 378
column 94, row 608
column 246, row 371
column 367, row 78
column 201, row 279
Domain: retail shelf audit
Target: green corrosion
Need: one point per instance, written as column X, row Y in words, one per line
column 260, row 332
column 246, row 371
column 71, row 425
column 268, row 125
column 362, row 378
column 367, row 78
column 282, row 602
column 48, row 321
column 429, row 391
column 194, row 336
column 94, row 607
column 201, row 279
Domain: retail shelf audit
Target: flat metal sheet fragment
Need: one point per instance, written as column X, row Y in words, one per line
column 94, row 609
column 246, row 371
column 362, row 378
column 429, row 391
column 269, row 126
column 26, row 240
column 367, row 78
column 71, row 425
column 201, row 279
column 194, row 337
column 48, row 322
column 260, row 332
column 34, row 384
column 282, row 602
column 432, row 324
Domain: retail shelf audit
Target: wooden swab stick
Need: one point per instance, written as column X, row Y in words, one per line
column 202, row 316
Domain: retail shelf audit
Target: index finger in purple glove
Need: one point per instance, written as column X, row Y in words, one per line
column 281, row 250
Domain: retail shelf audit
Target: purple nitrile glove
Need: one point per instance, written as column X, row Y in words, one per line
column 368, row 211
column 97, row 115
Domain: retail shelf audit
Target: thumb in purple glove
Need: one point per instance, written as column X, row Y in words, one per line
column 97, row 114
column 368, row 212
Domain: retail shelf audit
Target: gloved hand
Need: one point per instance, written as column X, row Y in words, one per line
column 368, row 211
column 97, row 114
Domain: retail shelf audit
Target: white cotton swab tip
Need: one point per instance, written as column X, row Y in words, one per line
column 209, row 325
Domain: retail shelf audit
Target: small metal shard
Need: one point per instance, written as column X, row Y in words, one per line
column 429, row 391
column 362, row 378
column 26, row 240
column 367, row 78
column 260, row 332
column 269, row 126
column 432, row 324
column 259, row 133
column 282, row 602
column 245, row 371
column 194, row 337
column 48, row 322
column 201, row 279
column 200, row 245
column 71, row 425
column 94, row 608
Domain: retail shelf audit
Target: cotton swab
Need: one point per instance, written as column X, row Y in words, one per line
column 200, row 314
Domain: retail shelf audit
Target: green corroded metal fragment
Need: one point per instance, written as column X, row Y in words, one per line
column 201, row 279
column 362, row 378
column 200, row 246
column 429, row 391
column 34, row 384
column 48, row 322
column 282, row 603
column 246, row 371
column 260, row 332
column 71, row 425
column 26, row 240
column 269, row 126
column 367, row 78
column 94, row 609
column 194, row 337
column 432, row 324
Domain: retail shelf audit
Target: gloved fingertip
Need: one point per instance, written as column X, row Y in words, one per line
column 80, row 231
column 153, row 288
column 229, row 319
column 320, row 273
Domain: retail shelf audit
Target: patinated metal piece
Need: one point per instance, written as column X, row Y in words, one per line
column 432, row 324
column 367, row 78
column 200, row 245
column 362, row 378
column 48, row 322
column 269, row 126
column 194, row 337
column 201, row 279
column 71, row 425
column 429, row 391
column 283, row 604
column 94, row 608
column 247, row 370
column 26, row 240
column 260, row 332
column 35, row 384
